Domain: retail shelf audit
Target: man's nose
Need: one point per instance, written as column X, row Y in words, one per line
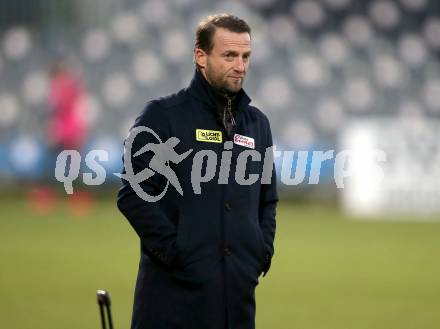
column 239, row 65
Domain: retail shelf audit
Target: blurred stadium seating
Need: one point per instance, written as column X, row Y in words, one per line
column 316, row 65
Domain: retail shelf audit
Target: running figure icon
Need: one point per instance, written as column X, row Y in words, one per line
column 163, row 153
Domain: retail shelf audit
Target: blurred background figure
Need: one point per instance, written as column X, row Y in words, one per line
column 68, row 124
column 66, row 130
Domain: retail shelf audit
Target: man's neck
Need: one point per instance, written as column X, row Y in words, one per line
column 219, row 93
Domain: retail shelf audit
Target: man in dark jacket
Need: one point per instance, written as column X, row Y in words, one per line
column 206, row 224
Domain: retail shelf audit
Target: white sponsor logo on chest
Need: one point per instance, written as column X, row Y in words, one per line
column 244, row 141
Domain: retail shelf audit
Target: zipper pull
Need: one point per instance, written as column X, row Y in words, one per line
column 230, row 110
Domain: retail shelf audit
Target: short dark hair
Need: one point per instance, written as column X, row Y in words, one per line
column 206, row 29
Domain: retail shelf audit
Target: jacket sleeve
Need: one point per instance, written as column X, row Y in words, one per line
column 267, row 208
column 156, row 231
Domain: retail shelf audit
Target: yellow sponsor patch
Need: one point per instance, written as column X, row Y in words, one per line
column 211, row 136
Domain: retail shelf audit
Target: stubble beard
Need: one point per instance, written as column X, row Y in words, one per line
column 221, row 82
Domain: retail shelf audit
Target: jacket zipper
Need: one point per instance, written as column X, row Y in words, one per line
column 228, row 109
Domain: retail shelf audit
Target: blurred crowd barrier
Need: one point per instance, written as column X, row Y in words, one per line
column 316, row 67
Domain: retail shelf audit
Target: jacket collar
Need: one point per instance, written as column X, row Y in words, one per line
column 200, row 89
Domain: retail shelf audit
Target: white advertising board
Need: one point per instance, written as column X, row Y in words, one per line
column 395, row 166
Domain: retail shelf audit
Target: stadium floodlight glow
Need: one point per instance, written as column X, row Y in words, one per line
column 410, row 174
column 362, row 194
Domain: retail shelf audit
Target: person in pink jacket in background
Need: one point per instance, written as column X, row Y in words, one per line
column 68, row 127
column 67, row 130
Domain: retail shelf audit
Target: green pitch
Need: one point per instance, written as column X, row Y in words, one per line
column 328, row 272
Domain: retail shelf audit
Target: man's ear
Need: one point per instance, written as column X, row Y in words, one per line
column 200, row 57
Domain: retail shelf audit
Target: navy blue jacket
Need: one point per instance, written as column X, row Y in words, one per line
column 201, row 254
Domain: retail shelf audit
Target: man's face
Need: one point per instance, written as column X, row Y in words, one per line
column 227, row 64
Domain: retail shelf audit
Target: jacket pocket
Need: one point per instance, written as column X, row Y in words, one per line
column 187, row 241
column 195, row 264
